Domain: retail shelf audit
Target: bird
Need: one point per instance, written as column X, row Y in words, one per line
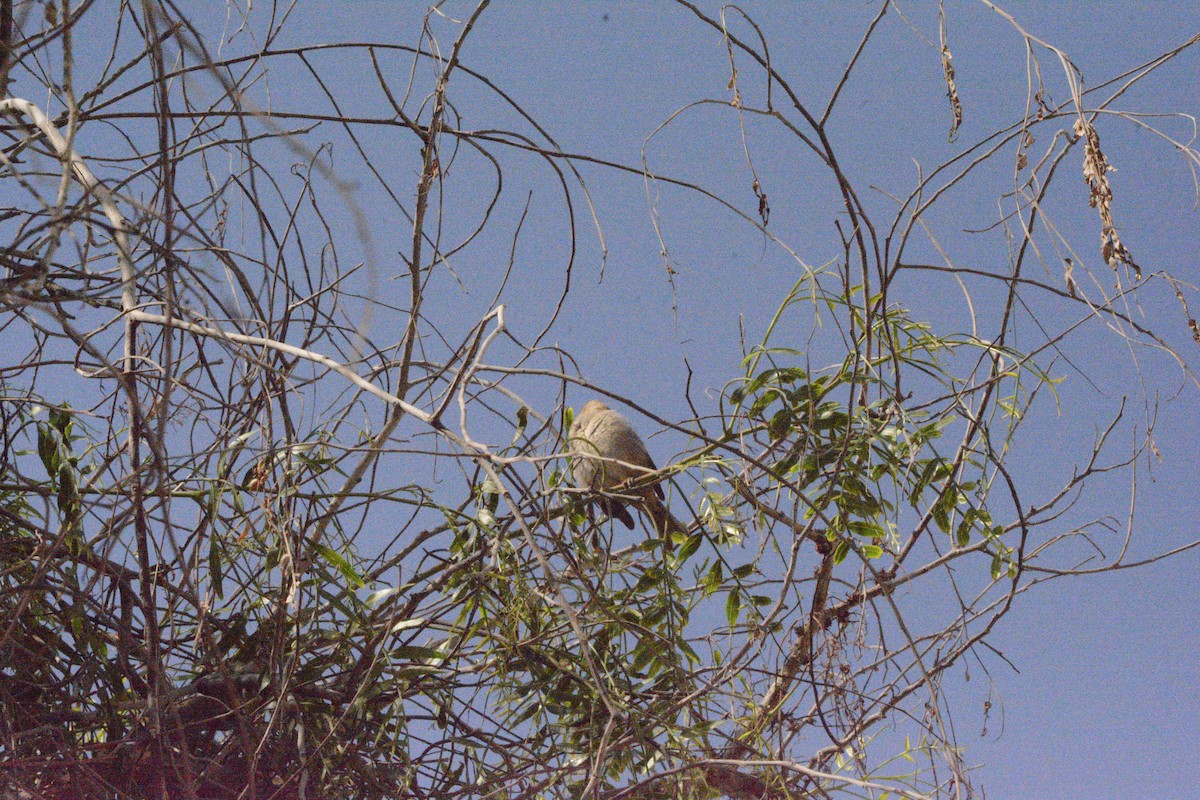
column 610, row 457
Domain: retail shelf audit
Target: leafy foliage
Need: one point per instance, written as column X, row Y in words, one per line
column 297, row 536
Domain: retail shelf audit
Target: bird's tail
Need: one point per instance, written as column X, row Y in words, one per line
column 665, row 523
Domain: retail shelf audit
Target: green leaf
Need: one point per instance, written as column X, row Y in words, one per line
column 715, row 577
column 785, row 464
column 68, row 495
column 343, row 566
column 47, row 449
column 744, row 571
column 378, row 596
column 688, row 652
column 412, row 652
column 653, row 576
column 780, row 424
column 791, row 375
column 215, row 567
column 964, row 532
column 733, row 605
column 689, row 547
column 872, row 551
column 60, row 418
column 415, row 622
column 941, row 511
column 641, row 656
column 840, row 552
column 866, row 529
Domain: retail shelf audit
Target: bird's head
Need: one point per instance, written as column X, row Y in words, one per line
column 592, row 407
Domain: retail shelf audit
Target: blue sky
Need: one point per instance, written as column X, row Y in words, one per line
column 1105, row 702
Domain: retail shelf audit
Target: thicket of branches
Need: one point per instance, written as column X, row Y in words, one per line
column 274, row 522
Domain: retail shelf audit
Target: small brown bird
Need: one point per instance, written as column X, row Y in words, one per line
column 609, row 456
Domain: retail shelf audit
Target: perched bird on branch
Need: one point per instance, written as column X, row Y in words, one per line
column 610, row 459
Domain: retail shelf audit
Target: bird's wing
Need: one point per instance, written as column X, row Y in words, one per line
column 646, row 460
